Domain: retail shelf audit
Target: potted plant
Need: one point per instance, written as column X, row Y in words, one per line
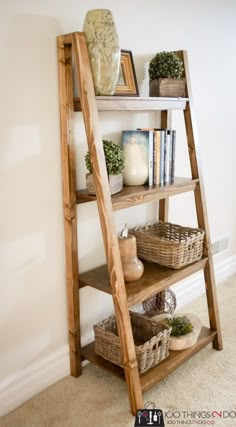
column 115, row 163
column 185, row 330
column 165, row 72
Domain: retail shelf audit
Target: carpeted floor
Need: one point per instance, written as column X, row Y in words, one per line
column 207, row 382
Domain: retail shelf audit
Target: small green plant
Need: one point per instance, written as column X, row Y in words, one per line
column 165, row 65
column 180, row 326
column 114, row 157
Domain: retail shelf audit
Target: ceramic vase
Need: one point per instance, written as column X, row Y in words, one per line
column 104, row 50
column 132, row 266
column 136, row 169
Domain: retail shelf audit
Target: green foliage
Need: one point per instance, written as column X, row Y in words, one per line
column 180, row 325
column 165, row 65
column 114, row 157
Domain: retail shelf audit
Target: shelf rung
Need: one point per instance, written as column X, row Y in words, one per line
column 89, row 354
column 154, row 375
column 155, row 279
column 135, row 103
column 136, row 195
column 175, row 359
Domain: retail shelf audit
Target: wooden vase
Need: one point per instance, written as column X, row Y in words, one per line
column 132, row 266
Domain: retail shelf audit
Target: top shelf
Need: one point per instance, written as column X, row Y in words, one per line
column 131, row 103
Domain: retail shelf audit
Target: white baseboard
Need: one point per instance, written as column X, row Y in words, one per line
column 189, row 289
column 26, row 383
column 23, row 385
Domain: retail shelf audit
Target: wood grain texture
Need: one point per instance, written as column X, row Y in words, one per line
column 200, row 203
column 121, row 103
column 95, row 145
column 175, row 359
column 155, row 279
column 69, row 198
column 136, row 195
column 65, row 39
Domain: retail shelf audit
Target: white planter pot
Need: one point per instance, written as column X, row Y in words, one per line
column 188, row 340
column 184, row 341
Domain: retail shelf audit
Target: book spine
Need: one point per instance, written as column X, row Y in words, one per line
column 167, row 157
column 170, row 157
column 173, row 139
column 162, row 156
column 150, row 171
column 158, row 155
column 154, row 159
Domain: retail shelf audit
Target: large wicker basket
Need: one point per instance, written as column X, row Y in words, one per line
column 169, row 244
column 151, row 341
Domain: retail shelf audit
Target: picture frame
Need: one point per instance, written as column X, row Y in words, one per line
column 127, row 82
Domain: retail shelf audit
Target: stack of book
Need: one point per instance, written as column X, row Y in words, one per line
column 158, row 148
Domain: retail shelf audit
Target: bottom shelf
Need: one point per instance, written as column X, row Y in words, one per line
column 149, row 378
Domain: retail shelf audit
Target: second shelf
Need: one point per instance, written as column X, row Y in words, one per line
column 136, row 195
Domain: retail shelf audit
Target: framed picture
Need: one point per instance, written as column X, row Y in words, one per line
column 127, row 82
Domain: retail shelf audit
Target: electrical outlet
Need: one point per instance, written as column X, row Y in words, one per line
column 220, row 245
column 224, row 243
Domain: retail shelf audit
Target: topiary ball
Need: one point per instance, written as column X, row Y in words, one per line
column 165, row 65
column 114, row 157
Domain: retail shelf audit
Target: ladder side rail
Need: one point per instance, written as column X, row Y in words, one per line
column 69, row 200
column 201, row 209
column 104, row 203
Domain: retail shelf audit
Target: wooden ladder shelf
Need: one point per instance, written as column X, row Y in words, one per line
column 109, row 278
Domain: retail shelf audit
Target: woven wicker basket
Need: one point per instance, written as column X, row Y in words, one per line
column 163, row 302
column 151, row 341
column 168, row 244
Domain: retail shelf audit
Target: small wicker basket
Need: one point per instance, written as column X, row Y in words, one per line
column 151, row 341
column 169, row 244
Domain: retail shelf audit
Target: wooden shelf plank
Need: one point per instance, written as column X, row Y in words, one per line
column 175, row 359
column 154, row 375
column 136, row 195
column 154, row 280
column 89, row 354
column 122, row 103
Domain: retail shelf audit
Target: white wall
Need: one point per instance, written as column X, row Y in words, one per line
column 33, row 299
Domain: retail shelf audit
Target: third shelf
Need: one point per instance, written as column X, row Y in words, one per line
column 155, row 279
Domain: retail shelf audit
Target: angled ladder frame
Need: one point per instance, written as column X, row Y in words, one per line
column 137, row 384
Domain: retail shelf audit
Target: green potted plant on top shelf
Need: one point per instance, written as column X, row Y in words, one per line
column 115, row 163
column 165, row 75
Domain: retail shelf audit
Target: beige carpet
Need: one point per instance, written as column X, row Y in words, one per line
column 96, row 399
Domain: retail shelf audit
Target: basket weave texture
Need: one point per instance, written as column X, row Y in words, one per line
column 163, row 302
column 151, row 341
column 168, row 244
